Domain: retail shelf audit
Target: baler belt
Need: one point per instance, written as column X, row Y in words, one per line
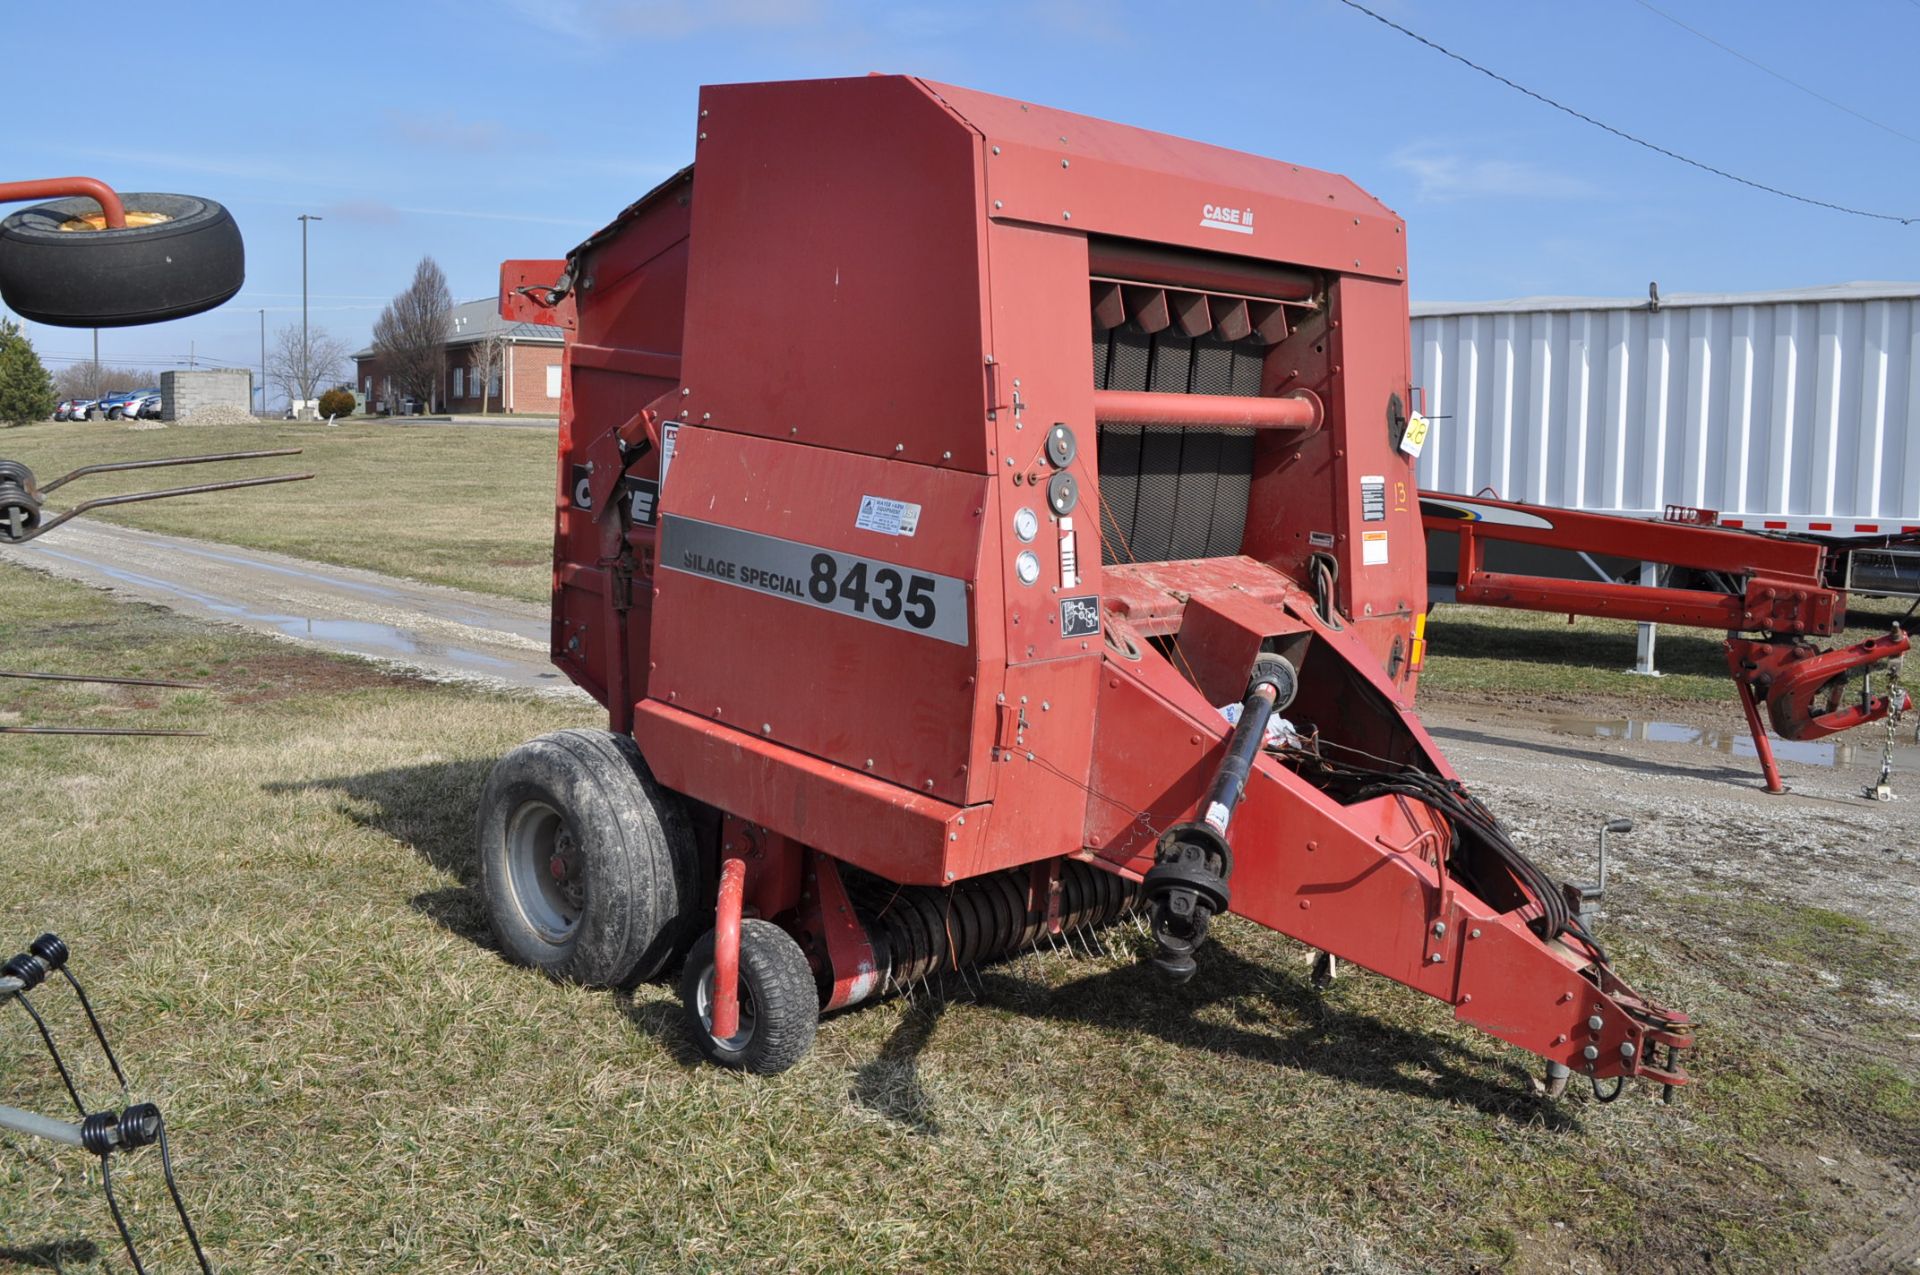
column 1168, row 493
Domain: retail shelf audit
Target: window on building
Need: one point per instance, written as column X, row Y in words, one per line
column 459, row 382
column 493, row 380
column 553, row 381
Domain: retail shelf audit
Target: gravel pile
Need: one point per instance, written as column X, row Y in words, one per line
column 219, row 416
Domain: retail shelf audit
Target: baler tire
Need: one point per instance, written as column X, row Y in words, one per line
column 638, row 869
column 779, row 1000
column 117, row 278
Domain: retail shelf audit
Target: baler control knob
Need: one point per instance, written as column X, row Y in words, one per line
column 1061, row 446
column 1026, row 524
column 1063, row 493
column 1027, row 567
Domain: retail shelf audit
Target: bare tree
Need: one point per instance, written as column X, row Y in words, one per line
column 300, row 365
column 484, row 357
column 89, row 380
column 410, row 336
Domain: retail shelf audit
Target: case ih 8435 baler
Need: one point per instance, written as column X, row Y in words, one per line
column 935, row 468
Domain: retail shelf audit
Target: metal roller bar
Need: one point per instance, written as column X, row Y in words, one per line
column 1300, row 410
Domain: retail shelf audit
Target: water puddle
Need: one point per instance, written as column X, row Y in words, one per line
column 358, row 637
column 1863, row 746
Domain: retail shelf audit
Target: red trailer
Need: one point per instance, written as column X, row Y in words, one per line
column 954, row 494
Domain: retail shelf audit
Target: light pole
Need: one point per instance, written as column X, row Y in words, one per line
column 306, row 350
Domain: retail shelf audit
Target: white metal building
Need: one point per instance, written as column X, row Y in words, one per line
column 1791, row 411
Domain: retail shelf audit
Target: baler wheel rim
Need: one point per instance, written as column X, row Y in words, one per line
column 779, row 1000
column 537, row 839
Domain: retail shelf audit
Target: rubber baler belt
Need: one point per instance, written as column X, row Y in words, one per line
column 1168, row 493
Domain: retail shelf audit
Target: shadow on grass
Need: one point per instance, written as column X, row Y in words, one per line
column 890, row 1084
column 49, row 1255
column 430, row 810
column 1355, row 1048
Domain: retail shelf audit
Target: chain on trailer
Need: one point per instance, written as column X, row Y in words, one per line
column 107, row 1131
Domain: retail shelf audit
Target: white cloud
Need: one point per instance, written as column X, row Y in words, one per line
column 1442, row 174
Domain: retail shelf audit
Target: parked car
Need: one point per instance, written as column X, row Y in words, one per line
column 74, row 409
column 115, row 405
column 147, row 409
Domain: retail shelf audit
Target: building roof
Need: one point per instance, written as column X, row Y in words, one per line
column 471, row 321
column 1869, row 291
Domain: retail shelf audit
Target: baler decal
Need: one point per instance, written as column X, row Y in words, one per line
column 868, row 589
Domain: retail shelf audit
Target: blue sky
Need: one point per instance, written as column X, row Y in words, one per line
column 477, row 130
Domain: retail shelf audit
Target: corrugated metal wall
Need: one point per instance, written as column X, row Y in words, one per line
column 1796, row 410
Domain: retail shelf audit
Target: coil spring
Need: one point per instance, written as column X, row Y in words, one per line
column 919, row 932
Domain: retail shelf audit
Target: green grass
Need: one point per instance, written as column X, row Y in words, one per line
column 281, row 928
column 467, row 506
column 1482, row 652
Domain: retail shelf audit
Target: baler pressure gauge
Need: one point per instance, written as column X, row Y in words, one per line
column 1027, row 567
column 1026, row 525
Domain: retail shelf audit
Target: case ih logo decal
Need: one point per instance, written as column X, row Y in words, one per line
column 1220, row 217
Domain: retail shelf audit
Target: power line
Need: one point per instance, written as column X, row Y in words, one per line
column 1622, row 133
column 1784, row 79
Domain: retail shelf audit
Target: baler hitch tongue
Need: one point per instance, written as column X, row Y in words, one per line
column 1187, row 885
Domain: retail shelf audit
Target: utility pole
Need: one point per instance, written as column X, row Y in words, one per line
column 96, row 362
column 263, row 363
column 306, row 350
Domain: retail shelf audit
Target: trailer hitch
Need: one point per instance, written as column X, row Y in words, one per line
column 1802, row 688
column 1187, row 886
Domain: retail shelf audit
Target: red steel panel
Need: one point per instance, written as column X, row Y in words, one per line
column 882, row 699
column 837, row 290
column 1057, row 168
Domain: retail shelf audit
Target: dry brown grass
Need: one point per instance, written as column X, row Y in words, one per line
column 280, row 926
column 468, row 506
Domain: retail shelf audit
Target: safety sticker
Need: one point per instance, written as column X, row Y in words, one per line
column 669, row 435
column 1320, row 539
column 888, row 517
column 1373, row 498
column 582, row 487
column 1080, row 617
column 1373, row 548
column 865, row 588
column 1416, row 436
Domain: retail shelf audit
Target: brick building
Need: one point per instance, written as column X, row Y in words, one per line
column 526, row 380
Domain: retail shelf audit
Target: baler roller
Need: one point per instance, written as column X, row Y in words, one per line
column 919, row 933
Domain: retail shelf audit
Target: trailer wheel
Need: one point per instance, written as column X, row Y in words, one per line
column 588, row 866
column 779, row 1003
column 178, row 255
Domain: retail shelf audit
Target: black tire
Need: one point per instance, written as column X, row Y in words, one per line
column 191, row 262
column 115, row 413
column 779, row 1003
column 19, row 512
column 623, row 888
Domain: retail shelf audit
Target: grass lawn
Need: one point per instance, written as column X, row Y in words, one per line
column 280, row 927
column 463, row 505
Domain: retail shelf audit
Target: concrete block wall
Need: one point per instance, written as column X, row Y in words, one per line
column 182, row 394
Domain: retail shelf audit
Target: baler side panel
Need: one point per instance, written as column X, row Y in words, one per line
column 752, row 651
column 624, row 353
column 838, row 286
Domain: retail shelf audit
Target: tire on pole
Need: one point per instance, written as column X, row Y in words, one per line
column 179, row 255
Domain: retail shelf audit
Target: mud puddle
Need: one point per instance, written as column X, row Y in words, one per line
column 1863, row 746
